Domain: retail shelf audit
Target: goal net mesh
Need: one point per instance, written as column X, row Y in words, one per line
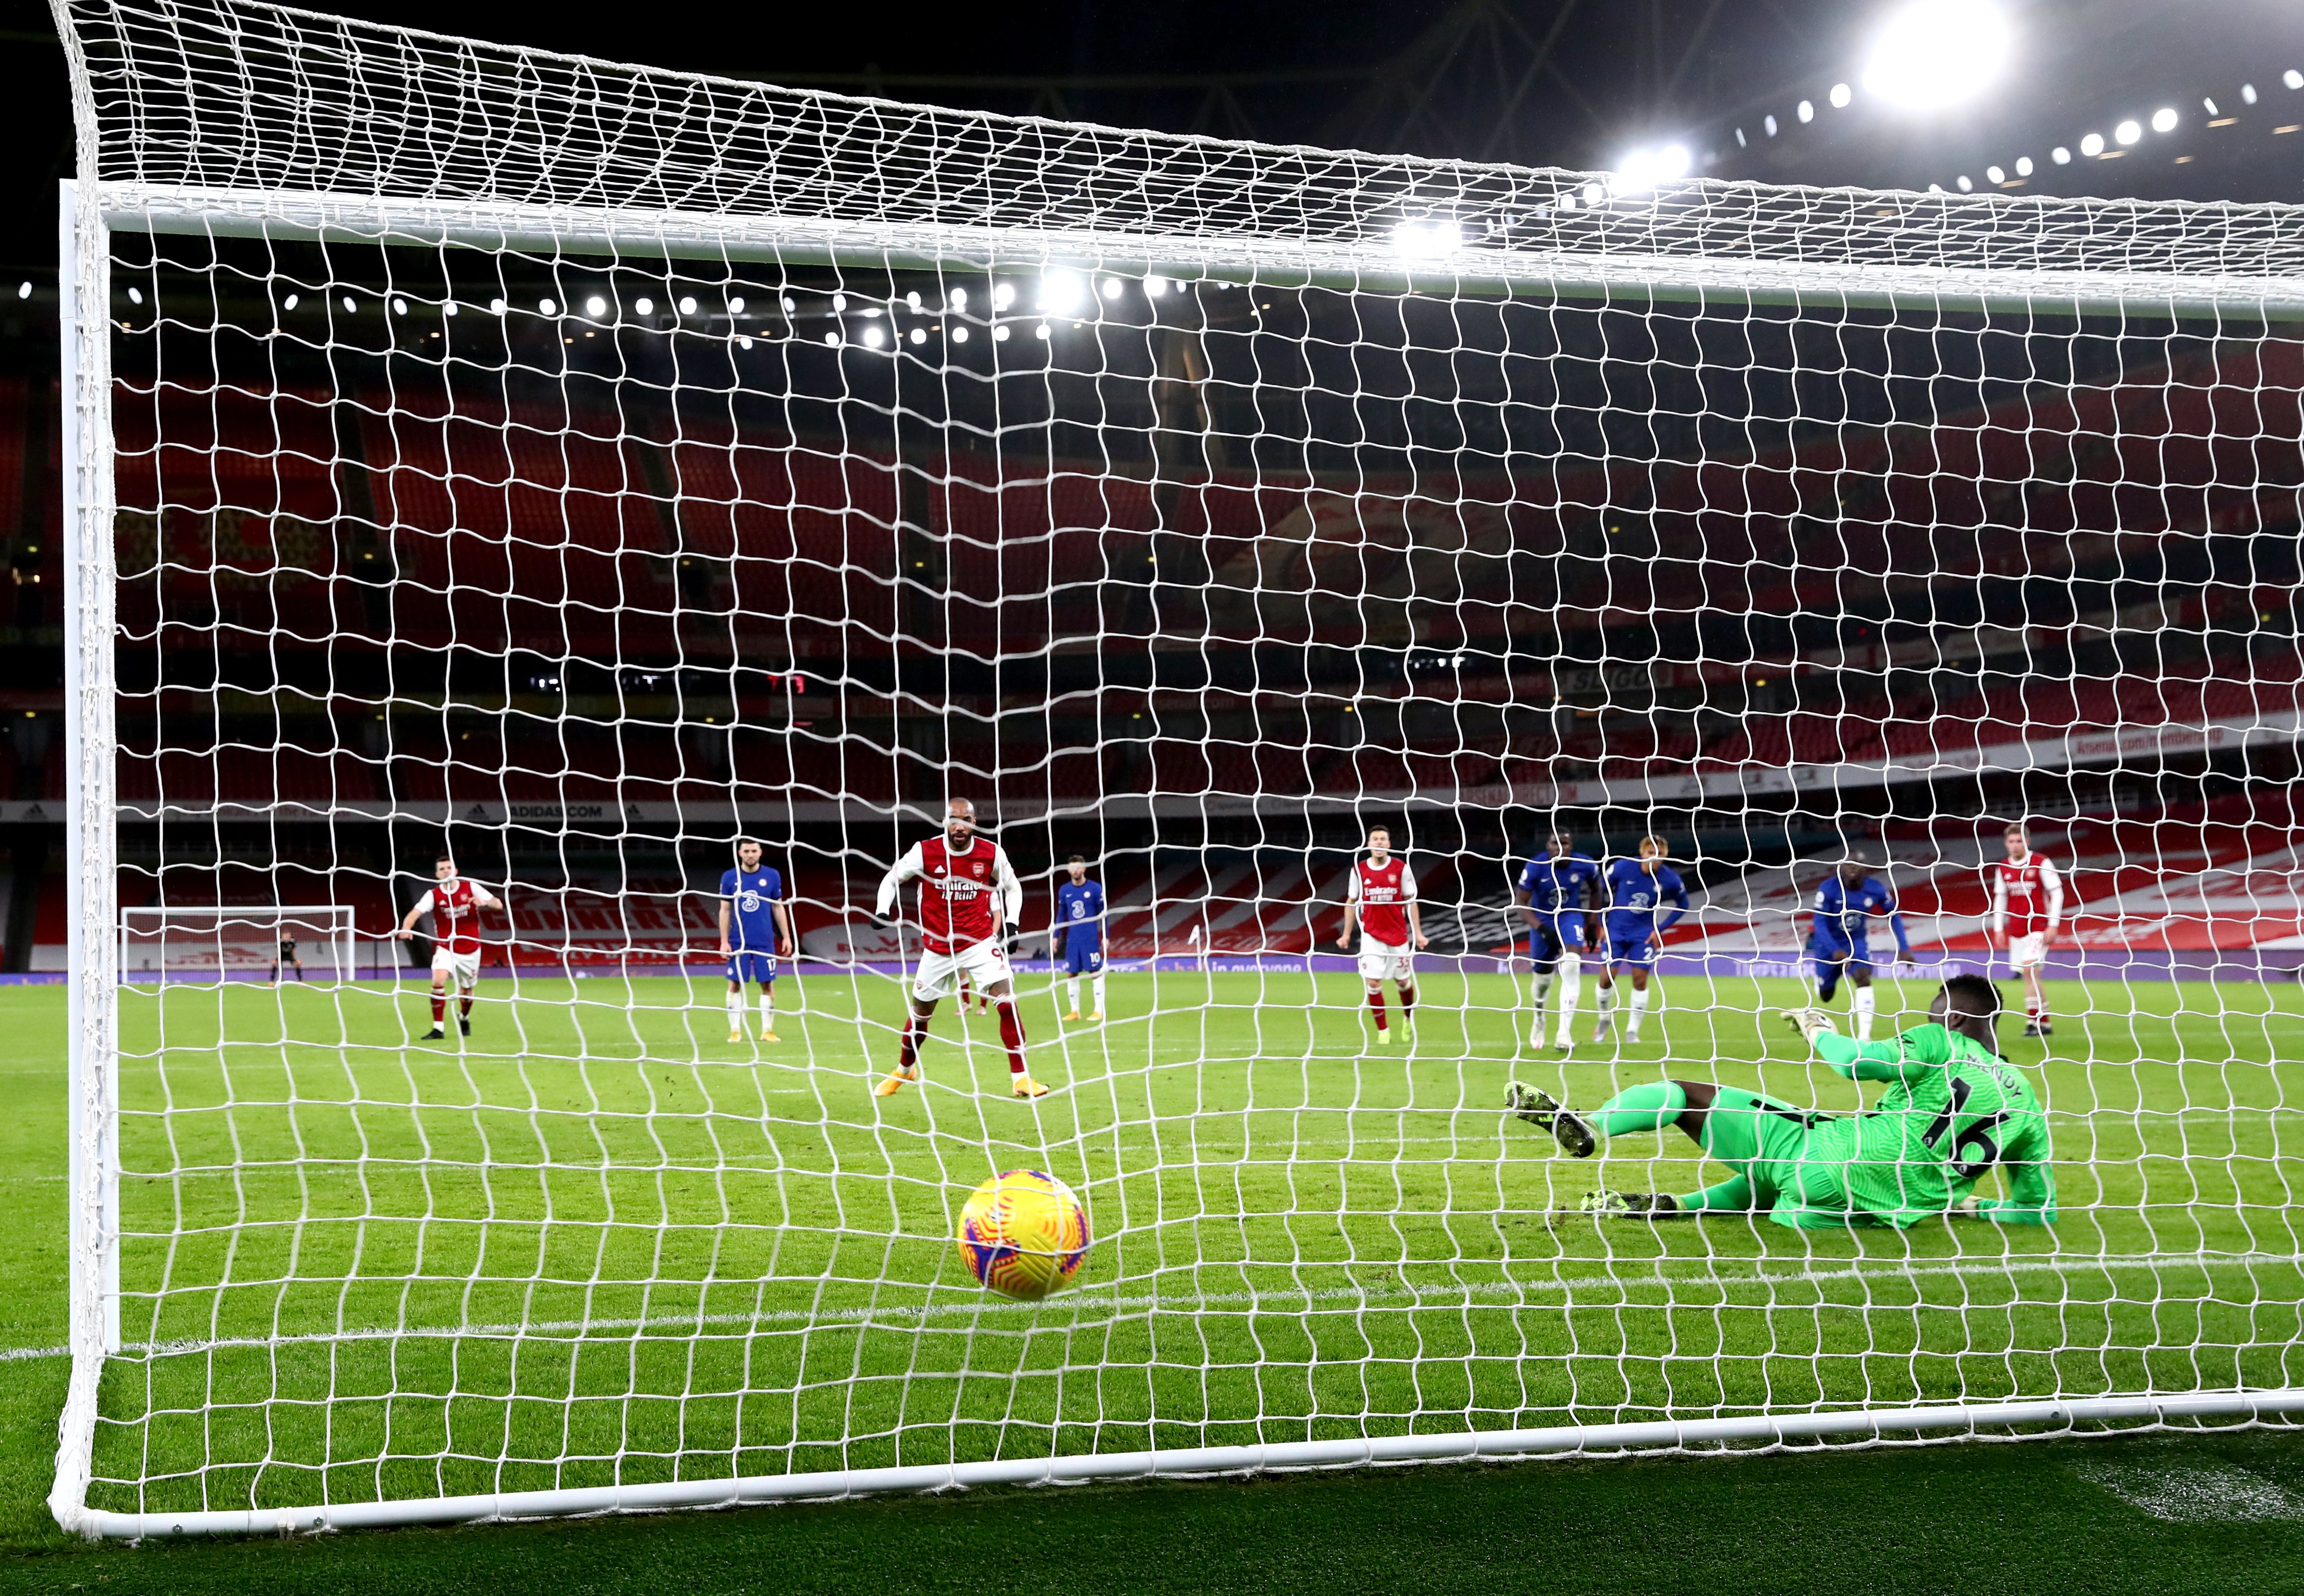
column 576, row 467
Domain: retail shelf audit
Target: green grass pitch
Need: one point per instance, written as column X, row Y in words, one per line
column 727, row 1259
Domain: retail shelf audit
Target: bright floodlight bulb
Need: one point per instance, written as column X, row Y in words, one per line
column 1938, row 53
column 595, row 306
column 2129, row 131
column 2164, row 120
column 1061, row 292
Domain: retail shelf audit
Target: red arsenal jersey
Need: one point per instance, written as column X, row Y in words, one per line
column 1383, row 892
column 958, row 893
column 2030, row 894
column 456, row 906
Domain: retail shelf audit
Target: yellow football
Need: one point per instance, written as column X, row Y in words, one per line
column 1023, row 1234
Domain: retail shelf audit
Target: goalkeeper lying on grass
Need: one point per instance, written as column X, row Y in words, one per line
column 1953, row 1110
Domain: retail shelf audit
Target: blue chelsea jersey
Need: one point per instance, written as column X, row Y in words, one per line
column 1080, row 910
column 1843, row 914
column 1635, row 899
column 1555, row 883
column 751, row 922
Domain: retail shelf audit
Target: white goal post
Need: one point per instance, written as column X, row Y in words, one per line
column 395, row 153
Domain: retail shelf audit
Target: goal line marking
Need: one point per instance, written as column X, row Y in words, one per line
column 1380, row 1298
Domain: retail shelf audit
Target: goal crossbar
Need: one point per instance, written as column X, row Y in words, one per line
column 1278, row 261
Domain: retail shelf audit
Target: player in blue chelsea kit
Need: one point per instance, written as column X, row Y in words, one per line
column 1556, row 892
column 1078, row 935
column 755, row 929
column 1635, row 924
column 1846, row 905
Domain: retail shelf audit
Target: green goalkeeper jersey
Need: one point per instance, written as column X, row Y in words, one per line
column 1953, row 1110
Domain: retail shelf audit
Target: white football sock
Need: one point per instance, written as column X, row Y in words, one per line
column 735, row 1011
column 1099, row 979
column 1071, row 995
column 768, row 1006
column 1607, row 1004
column 1571, row 978
column 1543, row 990
column 1863, row 1005
column 1639, row 1013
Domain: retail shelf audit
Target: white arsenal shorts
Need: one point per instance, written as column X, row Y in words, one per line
column 1384, row 962
column 463, row 968
column 2028, row 952
column 939, row 974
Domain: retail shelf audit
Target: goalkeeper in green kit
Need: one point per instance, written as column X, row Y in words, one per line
column 1953, row 1110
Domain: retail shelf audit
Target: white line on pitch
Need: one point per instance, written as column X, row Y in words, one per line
column 1378, row 1297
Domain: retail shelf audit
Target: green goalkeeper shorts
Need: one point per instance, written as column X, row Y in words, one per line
column 1794, row 1159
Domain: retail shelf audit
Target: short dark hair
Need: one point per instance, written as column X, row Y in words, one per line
column 1077, row 859
column 445, row 857
column 1973, row 994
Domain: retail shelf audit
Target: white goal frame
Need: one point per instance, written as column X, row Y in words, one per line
column 91, row 211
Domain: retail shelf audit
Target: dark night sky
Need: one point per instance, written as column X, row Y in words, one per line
column 1626, row 71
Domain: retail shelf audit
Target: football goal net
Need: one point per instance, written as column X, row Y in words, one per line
column 283, row 941
column 503, row 487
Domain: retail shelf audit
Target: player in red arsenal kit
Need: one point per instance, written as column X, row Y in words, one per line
column 455, row 905
column 969, row 892
column 1382, row 901
column 2027, row 906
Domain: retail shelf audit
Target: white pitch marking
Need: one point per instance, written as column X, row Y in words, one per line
column 1380, row 1298
column 2187, row 1493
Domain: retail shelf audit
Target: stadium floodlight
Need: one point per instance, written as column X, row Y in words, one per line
column 2092, row 144
column 2293, row 78
column 2024, row 166
column 957, row 299
column 1841, row 95
column 1994, row 174
column 1426, row 238
column 544, row 307
column 687, row 304
column 1003, row 295
column 23, row 291
column 328, row 1269
column 1935, row 54
column 2164, row 120
column 736, row 305
column 644, row 306
column 2247, row 94
column 595, row 306
column 1805, row 110
column 2129, row 131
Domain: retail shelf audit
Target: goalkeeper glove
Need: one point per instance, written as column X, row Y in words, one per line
column 1810, row 1022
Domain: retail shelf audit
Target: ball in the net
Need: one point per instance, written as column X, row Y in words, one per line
column 1023, row 1234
